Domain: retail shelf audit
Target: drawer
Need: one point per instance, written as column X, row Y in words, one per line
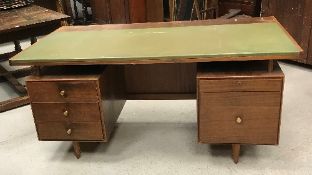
column 79, row 131
column 60, row 112
column 63, row 91
column 233, row 85
column 239, row 117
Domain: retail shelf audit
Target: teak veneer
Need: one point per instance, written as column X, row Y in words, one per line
column 80, row 87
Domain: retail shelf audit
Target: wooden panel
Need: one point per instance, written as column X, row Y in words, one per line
column 112, row 85
column 295, row 16
column 137, row 10
column 233, row 85
column 310, row 50
column 154, row 11
column 259, row 112
column 124, row 11
column 75, row 91
column 160, row 78
column 79, row 131
column 238, row 70
column 160, row 96
column 76, row 112
column 119, row 11
column 100, row 11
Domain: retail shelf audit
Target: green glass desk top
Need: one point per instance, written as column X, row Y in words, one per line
column 176, row 44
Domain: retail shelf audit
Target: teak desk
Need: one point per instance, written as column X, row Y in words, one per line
column 86, row 73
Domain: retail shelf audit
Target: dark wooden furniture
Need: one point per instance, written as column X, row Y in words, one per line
column 62, row 6
column 127, row 11
column 296, row 17
column 72, row 105
column 239, row 103
column 9, row 4
column 247, row 7
column 18, row 24
column 130, row 49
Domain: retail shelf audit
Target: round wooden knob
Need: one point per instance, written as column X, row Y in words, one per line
column 65, row 113
column 62, row 93
column 69, row 131
column 239, row 83
column 239, row 120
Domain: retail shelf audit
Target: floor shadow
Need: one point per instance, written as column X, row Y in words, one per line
column 225, row 150
column 128, row 133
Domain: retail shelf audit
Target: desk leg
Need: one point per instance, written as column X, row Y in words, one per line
column 271, row 66
column 33, row 40
column 17, row 46
column 235, row 152
column 77, row 151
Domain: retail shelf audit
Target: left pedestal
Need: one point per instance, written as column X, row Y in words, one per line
column 75, row 103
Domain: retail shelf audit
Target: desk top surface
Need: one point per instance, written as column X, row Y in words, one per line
column 201, row 41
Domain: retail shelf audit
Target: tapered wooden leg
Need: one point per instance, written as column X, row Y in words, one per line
column 77, row 151
column 271, row 66
column 33, row 40
column 17, row 45
column 235, row 152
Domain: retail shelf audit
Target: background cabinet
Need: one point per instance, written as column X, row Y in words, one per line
column 127, row 11
column 248, row 7
column 296, row 17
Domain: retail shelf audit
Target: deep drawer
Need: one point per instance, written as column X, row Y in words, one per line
column 233, row 85
column 63, row 91
column 239, row 117
column 60, row 112
column 74, row 131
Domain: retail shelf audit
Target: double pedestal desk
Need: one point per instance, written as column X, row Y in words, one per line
column 85, row 74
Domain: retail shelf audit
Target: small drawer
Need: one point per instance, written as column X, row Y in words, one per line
column 63, row 91
column 239, row 117
column 60, row 112
column 74, row 131
column 233, row 85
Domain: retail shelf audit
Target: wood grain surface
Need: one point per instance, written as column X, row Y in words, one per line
column 20, row 18
column 76, row 112
column 75, row 91
column 241, row 107
column 79, row 131
column 87, row 111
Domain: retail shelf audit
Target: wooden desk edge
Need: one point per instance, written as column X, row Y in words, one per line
column 291, row 56
column 289, row 36
column 169, row 24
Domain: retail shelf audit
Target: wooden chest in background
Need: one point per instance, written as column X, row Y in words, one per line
column 127, row 11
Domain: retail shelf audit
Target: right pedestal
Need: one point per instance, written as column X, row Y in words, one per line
column 239, row 103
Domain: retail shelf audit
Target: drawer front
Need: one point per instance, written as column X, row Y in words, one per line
column 63, row 91
column 61, row 112
column 233, row 85
column 239, row 117
column 78, row 131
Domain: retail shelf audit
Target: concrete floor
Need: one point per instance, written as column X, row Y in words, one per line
column 160, row 137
